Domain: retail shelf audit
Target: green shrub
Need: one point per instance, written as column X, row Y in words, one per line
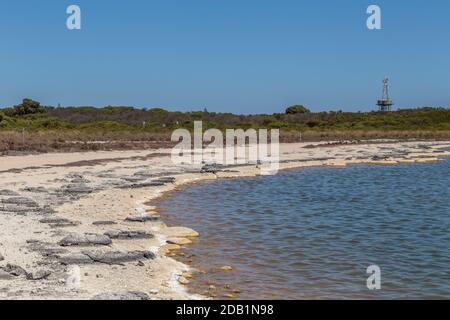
column 27, row 106
column 297, row 109
column 157, row 110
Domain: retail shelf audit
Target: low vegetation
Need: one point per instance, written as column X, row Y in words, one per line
column 29, row 126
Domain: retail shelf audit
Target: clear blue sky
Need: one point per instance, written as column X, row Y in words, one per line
column 242, row 56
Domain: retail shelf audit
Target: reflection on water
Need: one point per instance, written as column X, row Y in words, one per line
column 311, row 233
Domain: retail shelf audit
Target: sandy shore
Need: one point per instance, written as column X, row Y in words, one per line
column 81, row 225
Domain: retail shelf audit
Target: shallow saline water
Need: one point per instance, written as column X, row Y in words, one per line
column 312, row 232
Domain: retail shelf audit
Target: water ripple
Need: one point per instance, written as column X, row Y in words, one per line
column 311, row 233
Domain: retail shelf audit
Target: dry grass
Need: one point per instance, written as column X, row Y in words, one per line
column 70, row 141
column 295, row 136
column 16, row 142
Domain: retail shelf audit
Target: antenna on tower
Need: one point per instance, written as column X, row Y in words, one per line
column 385, row 103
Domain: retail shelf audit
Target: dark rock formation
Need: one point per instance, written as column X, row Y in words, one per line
column 15, row 209
column 58, row 222
column 130, row 295
column 103, row 223
column 87, row 239
column 74, row 258
column 108, row 257
column 5, row 275
column 134, row 178
column 144, row 174
column 35, row 189
column 165, row 180
column 76, row 189
column 125, row 234
column 211, row 168
column 141, row 218
column 378, row 158
column 14, row 270
column 20, row 201
column 141, row 185
column 18, row 205
column 8, row 193
column 39, row 275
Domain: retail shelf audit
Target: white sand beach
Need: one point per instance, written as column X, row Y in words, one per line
column 82, row 225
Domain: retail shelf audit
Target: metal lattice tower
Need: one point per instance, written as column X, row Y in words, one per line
column 385, row 103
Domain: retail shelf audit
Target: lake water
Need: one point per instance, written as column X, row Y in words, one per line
column 312, row 232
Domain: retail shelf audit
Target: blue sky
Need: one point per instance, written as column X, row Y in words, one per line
column 242, row 56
